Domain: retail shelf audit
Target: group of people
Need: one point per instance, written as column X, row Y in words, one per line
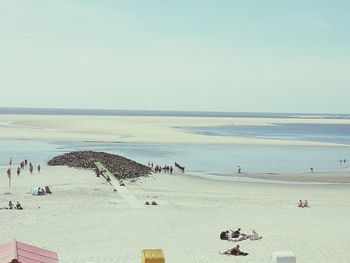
column 18, row 206
column 152, row 203
column 158, row 168
column 303, row 204
column 237, row 236
column 23, row 164
column 42, row 191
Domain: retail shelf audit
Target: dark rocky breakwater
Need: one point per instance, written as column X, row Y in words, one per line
column 121, row 167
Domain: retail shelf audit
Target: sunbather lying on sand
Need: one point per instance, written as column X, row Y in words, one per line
column 254, row 236
column 236, row 233
column 240, row 238
column 231, row 235
column 234, row 252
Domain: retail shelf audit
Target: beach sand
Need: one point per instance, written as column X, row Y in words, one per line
column 145, row 129
column 85, row 221
column 301, row 177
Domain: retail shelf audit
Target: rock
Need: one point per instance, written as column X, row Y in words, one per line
column 120, row 167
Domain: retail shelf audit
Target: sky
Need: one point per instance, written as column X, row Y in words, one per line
column 239, row 56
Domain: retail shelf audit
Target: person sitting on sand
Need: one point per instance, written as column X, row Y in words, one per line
column 300, row 204
column 234, row 252
column 306, row 204
column 18, row 206
column 10, row 205
column 41, row 191
column 47, row 190
column 254, row 236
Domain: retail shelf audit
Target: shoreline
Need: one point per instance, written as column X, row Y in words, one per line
column 329, row 177
column 145, row 129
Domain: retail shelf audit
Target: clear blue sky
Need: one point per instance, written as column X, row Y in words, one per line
column 264, row 56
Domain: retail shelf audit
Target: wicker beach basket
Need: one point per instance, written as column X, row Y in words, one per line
column 153, row 256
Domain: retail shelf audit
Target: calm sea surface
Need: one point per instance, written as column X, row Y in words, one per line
column 207, row 158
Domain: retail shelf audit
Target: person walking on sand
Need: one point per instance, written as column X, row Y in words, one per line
column 39, row 168
column 18, row 170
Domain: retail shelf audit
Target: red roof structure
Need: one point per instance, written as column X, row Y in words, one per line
column 18, row 252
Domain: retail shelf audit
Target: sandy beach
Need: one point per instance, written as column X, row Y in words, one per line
column 145, row 129
column 164, row 124
column 85, row 221
column 305, row 177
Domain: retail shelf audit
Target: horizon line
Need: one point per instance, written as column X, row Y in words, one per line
column 20, row 110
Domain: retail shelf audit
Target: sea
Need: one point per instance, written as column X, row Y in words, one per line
column 206, row 158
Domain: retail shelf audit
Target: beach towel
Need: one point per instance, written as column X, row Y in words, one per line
column 35, row 190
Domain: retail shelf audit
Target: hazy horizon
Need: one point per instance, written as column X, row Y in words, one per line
column 37, row 110
column 225, row 56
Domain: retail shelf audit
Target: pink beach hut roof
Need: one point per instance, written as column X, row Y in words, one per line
column 25, row 253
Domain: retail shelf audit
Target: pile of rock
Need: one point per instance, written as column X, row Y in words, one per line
column 121, row 167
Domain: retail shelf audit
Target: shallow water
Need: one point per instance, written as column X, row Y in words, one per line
column 333, row 133
column 196, row 158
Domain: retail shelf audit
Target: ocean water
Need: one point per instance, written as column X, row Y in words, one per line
column 332, row 133
column 196, row 158
column 206, row 158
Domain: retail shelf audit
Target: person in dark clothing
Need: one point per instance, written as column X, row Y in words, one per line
column 18, row 206
column 234, row 252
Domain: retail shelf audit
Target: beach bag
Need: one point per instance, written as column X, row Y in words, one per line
column 35, row 190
